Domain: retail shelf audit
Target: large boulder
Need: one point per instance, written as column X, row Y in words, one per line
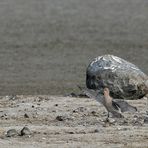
column 124, row 79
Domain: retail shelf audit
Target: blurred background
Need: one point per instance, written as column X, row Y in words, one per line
column 46, row 45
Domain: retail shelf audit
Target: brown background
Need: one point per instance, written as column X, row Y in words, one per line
column 46, row 45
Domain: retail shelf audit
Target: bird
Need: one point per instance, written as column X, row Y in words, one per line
column 110, row 105
column 116, row 107
column 118, row 104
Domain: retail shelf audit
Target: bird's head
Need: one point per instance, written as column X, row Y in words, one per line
column 106, row 91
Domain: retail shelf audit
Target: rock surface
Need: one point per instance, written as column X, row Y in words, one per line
column 11, row 133
column 146, row 119
column 124, row 79
column 25, row 131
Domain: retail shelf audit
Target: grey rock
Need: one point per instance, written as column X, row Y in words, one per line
column 11, row 97
column 25, row 131
column 111, row 120
column 96, row 131
column 80, row 109
column 11, row 133
column 124, row 79
column 146, row 119
column 70, row 132
column 60, row 118
column 26, row 115
column 63, row 117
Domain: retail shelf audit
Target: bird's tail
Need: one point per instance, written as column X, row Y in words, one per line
column 88, row 92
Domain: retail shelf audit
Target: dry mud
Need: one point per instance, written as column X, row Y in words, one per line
column 56, row 121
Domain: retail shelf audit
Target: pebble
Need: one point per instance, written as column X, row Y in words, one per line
column 71, row 132
column 96, row 131
column 72, row 95
column 146, row 119
column 11, row 133
column 136, row 122
column 79, row 109
column 111, row 120
column 94, row 113
column 26, row 115
column 11, row 97
column 25, row 131
column 45, row 133
column 60, row 118
column 4, row 115
column 64, row 117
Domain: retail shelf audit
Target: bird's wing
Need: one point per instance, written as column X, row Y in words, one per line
column 93, row 94
column 124, row 106
column 116, row 106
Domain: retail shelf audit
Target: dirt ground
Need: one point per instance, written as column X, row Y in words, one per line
column 65, row 122
column 45, row 48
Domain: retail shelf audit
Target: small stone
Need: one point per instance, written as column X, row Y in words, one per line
column 63, row 117
column 82, row 96
column 56, row 105
column 106, row 124
column 45, row 133
column 79, row 109
column 56, row 133
column 71, row 132
column 146, row 119
column 46, row 119
column 60, row 118
column 40, row 99
column 111, row 120
column 135, row 116
column 93, row 112
column 11, row 133
column 26, row 115
column 72, row 95
column 96, row 131
column 125, row 129
column 25, row 131
column 136, row 122
column 82, row 132
column 4, row 115
column 125, row 122
column 11, row 97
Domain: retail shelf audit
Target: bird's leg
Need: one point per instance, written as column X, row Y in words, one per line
column 108, row 115
column 107, row 119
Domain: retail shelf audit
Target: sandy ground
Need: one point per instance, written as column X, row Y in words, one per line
column 45, row 47
column 64, row 122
